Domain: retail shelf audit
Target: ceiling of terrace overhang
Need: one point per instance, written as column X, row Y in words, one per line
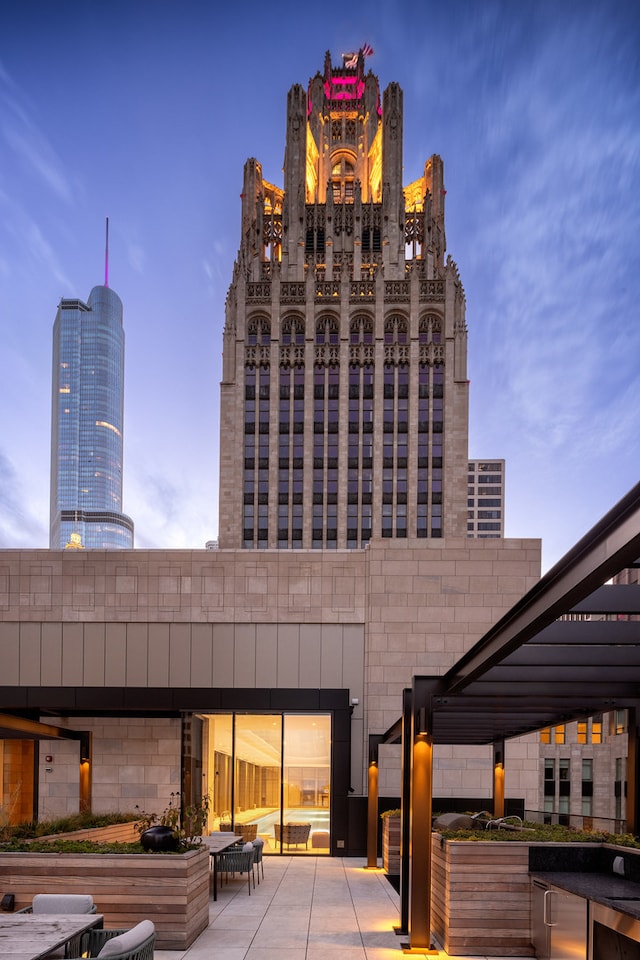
column 532, row 669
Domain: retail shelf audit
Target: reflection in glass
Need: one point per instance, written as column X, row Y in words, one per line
column 266, row 772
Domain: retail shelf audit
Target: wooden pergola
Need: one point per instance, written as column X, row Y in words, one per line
column 532, row 669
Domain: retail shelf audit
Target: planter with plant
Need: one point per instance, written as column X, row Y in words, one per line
column 174, row 828
column 127, row 883
column 481, row 891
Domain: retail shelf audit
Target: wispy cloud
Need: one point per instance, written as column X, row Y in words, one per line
column 23, row 135
column 173, row 507
column 31, row 252
column 554, row 238
column 136, row 257
column 18, row 526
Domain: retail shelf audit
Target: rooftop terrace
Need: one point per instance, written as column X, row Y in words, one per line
column 306, row 908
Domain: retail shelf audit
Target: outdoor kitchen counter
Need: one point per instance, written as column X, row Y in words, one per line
column 606, row 888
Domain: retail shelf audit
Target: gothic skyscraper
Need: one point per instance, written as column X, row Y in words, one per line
column 344, row 396
column 87, row 424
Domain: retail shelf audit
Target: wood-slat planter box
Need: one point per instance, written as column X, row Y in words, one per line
column 172, row 890
column 480, row 898
column 391, row 845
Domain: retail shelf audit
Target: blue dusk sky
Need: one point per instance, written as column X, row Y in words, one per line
column 146, row 112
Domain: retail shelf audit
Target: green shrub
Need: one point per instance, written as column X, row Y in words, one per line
column 542, row 833
column 187, row 824
column 79, row 846
column 78, row 821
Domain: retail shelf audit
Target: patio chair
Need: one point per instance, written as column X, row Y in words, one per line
column 248, row 831
column 248, row 847
column 237, row 861
column 293, row 833
column 134, row 944
column 258, row 846
column 62, row 903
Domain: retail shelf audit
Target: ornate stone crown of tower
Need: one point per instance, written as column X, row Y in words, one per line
column 344, row 398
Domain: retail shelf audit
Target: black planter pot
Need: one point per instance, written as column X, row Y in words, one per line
column 159, row 838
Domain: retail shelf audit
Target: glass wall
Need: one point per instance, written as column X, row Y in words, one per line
column 269, row 775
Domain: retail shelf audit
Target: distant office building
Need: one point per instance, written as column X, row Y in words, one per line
column 344, row 395
column 583, row 772
column 485, row 499
column 87, row 424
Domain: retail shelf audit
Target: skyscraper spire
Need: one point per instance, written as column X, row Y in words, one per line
column 106, row 258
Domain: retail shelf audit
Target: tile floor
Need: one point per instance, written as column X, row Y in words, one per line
column 306, row 908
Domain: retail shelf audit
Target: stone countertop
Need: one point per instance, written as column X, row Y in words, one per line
column 609, row 889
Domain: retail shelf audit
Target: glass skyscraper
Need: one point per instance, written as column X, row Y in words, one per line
column 87, row 424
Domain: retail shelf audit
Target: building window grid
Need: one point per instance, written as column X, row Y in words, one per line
column 619, row 787
column 257, row 411
column 290, row 456
column 360, row 435
column 587, row 787
column 395, row 434
column 429, row 470
column 326, row 426
column 429, row 473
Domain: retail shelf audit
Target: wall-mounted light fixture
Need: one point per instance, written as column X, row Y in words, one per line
column 85, row 747
column 421, row 721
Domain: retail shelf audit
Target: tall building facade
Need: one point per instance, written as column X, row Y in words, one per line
column 485, row 499
column 344, row 395
column 87, row 424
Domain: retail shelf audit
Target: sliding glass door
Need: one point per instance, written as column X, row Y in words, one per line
column 269, row 775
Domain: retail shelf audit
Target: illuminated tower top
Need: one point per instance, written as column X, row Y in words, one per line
column 344, row 400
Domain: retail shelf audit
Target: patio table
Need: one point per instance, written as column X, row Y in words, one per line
column 217, row 842
column 28, row 936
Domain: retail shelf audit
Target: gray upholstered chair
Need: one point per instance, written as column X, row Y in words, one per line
column 236, row 861
column 134, row 944
column 258, row 847
column 62, row 903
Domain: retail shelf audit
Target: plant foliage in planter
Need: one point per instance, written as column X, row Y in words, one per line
column 185, row 824
column 68, row 846
column 541, row 833
column 78, row 821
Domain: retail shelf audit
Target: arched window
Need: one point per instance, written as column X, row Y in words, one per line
column 293, row 331
column 343, row 176
column 395, row 330
column 361, row 330
column 328, row 330
column 258, row 331
column 430, row 329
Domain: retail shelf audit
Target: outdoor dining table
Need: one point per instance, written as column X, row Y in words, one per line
column 28, row 936
column 217, row 842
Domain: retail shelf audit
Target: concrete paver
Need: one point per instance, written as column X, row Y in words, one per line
column 306, row 908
